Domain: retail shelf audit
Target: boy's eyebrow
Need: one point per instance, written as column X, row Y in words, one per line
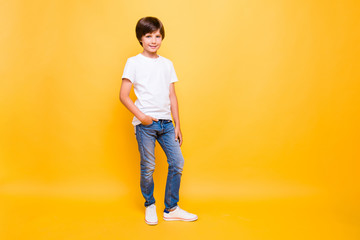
column 152, row 33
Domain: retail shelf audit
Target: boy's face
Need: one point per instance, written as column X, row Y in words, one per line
column 151, row 42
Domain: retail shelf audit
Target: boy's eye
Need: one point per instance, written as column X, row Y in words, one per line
column 149, row 36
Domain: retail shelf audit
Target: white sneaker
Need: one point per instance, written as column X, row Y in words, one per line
column 150, row 215
column 179, row 214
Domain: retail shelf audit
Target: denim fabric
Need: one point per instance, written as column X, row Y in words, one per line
column 146, row 135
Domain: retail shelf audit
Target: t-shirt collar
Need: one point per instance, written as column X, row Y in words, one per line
column 150, row 59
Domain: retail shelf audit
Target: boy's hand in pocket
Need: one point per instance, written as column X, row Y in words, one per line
column 147, row 120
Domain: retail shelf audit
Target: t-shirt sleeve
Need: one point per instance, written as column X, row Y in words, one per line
column 173, row 77
column 129, row 71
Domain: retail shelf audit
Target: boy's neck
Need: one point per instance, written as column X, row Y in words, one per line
column 150, row 54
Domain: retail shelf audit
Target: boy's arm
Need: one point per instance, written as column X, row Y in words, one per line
column 129, row 104
column 175, row 113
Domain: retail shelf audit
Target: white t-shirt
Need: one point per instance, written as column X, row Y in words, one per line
column 151, row 78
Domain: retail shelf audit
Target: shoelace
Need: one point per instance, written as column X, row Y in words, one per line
column 150, row 207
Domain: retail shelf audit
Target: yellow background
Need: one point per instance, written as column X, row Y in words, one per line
column 269, row 107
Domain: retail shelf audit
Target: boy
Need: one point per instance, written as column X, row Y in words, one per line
column 153, row 77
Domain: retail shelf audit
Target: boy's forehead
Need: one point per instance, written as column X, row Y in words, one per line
column 154, row 32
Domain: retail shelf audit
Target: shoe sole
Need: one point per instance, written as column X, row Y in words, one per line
column 180, row 219
column 151, row 223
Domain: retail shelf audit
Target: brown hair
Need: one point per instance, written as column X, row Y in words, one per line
column 148, row 25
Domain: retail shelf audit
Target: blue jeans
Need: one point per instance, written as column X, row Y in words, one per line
column 146, row 135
